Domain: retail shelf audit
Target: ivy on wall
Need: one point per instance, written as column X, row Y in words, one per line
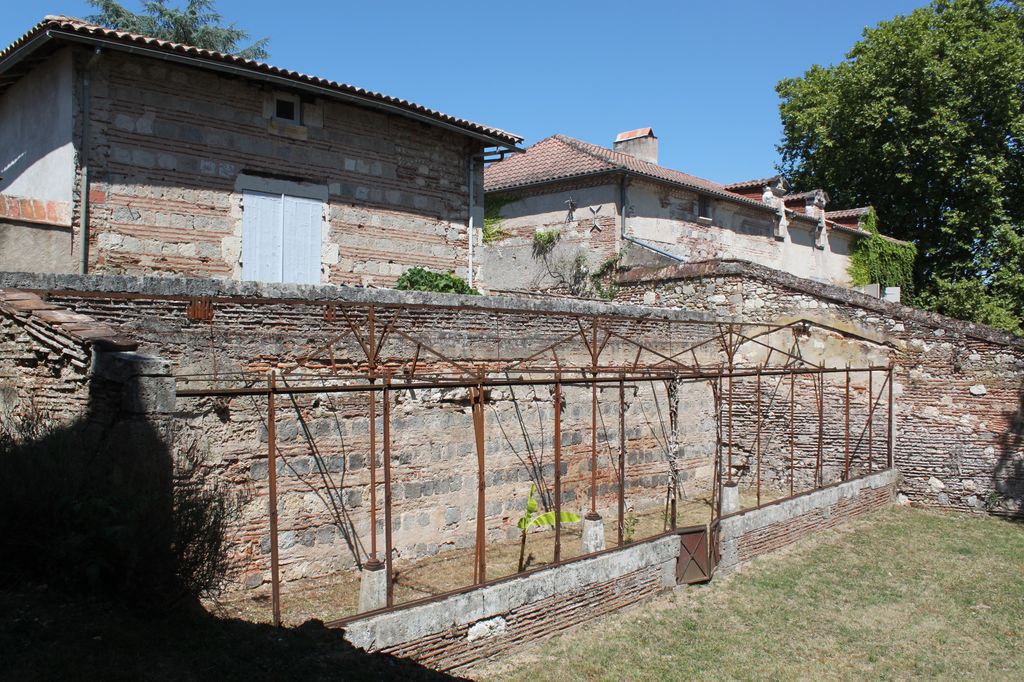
column 877, row 259
column 492, row 231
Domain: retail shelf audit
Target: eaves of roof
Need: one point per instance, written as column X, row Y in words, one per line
column 74, row 30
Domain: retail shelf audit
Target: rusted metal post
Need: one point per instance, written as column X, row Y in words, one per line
column 730, row 420
column 757, row 437
column 481, row 510
column 819, row 452
column 275, row 581
column 892, row 422
column 558, row 467
column 718, row 423
column 593, row 425
column 373, row 476
column 846, row 445
column 371, row 373
column 792, row 430
column 622, row 459
column 386, row 426
column 871, row 420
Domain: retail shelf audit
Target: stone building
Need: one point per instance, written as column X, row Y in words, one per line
column 122, row 154
column 619, row 203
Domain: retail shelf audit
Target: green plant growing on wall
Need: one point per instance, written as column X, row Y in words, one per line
column 531, row 519
column 876, row 259
column 544, row 241
column 603, row 279
column 492, row 230
column 421, row 279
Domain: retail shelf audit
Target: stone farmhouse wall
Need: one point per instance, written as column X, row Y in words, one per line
column 659, row 215
column 959, row 387
column 323, row 475
column 171, row 147
column 511, row 262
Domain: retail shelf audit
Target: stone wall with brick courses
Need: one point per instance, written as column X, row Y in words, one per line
column 461, row 629
column 959, row 387
column 168, row 143
column 323, row 439
column 749, row 534
column 511, row 262
column 656, row 214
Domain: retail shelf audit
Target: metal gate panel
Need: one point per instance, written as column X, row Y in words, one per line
column 693, row 565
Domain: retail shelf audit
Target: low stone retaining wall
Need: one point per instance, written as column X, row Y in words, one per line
column 746, row 535
column 465, row 627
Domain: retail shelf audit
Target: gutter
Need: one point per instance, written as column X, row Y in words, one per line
column 622, row 225
column 83, row 156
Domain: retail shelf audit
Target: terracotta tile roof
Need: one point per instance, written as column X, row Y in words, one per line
column 757, row 183
column 560, row 157
column 61, row 27
column 63, row 330
column 848, row 213
column 630, row 134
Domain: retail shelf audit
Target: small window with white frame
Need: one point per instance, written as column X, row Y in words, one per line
column 287, row 108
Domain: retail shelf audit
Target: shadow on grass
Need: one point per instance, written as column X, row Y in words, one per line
column 46, row 634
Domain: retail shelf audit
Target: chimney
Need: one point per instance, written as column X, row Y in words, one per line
column 640, row 143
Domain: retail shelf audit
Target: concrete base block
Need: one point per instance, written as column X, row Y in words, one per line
column 373, row 587
column 730, row 498
column 593, row 534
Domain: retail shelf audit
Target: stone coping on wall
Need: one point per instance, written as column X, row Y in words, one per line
column 823, row 500
column 174, row 287
column 822, row 290
column 393, row 627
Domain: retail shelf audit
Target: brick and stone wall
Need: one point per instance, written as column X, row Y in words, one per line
column 749, row 534
column 169, row 143
column 460, row 629
column 958, row 389
column 658, row 215
column 323, row 439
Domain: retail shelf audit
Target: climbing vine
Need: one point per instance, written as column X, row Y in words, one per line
column 492, row 230
column 878, row 259
column 603, row 279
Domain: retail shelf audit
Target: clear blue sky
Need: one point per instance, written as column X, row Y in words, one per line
column 701, row 73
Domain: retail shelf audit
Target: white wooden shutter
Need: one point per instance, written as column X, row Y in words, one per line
column 261, row 236
column 281, row 238
column 303, row 221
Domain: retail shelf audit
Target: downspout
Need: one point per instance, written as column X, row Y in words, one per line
column 470, row 221
column 622, row 225
column 472, row 227
column 83, row 155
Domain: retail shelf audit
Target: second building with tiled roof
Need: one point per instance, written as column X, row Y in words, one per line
column 566, row 209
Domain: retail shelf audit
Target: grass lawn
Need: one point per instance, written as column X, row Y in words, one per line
column 902, row 594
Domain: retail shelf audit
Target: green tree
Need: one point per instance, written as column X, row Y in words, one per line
column 924, row 120
column 198, row 24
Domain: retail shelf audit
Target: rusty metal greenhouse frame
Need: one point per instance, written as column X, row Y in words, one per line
column 378, row 378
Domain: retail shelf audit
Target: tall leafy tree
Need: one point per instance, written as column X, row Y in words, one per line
column 198, row 24
column 924, row 120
